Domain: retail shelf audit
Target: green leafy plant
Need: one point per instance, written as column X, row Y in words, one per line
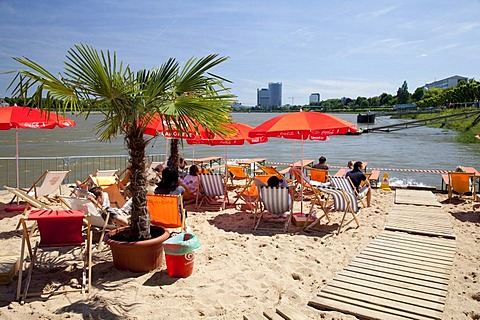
column 95, row 80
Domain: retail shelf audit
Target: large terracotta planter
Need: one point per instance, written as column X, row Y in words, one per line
column 137, row 256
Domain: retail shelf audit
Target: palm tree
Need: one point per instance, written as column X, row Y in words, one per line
column 94, row 80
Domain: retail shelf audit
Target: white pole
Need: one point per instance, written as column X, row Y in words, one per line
column 16, row 155
column 301, row 183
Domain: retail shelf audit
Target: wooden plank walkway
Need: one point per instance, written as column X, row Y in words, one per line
column 397, row 276
column 424, row 220
column 416, row 197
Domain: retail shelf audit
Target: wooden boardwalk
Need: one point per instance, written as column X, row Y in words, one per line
column 404, row 272
column 397, row 276
column 423, row 220
column 416, row 197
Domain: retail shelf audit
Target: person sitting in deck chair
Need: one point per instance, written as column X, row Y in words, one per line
column 119, row 216
column 356, row 176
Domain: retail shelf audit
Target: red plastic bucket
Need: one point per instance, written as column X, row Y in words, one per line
column 180, row 266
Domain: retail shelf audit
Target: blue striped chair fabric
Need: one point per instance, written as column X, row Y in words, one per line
column 212, row 184
column 276, row 200
column 345, row 202
column 342, row 183
column 345, row 184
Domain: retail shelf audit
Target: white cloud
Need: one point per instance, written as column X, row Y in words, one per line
column 374, row 14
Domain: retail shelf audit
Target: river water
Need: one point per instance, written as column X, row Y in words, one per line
column 418, row 148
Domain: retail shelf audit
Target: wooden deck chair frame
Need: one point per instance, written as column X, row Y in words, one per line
column 42, row 188
column 344, row 202
column 109, row 184
column 32, row 252
column 319, row 199
column 211, row 185
column 237, row 173
column 167, row 211
column 302, row 181
column 91, row 208
column 250, row 193
column 461, row 183
column 276, row 200
column 272, row 171
column 346, row 185
column 30, row 200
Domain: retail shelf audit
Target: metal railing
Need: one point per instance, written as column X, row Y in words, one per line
column 31, row 168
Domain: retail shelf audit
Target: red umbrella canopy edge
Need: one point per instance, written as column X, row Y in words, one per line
column 303, row 125
column 30, row 118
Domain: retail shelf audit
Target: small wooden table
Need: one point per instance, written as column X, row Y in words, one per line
column 209, row 160
column 248, row 162
column 302, row 163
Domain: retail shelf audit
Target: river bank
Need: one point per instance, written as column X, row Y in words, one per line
column 466, row 128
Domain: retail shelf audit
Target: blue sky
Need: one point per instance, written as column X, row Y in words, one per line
column 336, row 48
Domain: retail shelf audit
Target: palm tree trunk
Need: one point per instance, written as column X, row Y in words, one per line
column 140, row 218
column 174, row 154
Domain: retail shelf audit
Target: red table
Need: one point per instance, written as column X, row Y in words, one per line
column 59, row 227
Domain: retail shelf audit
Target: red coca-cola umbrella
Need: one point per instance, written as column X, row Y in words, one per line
column 30, row 118
column 302, row 126
column 238, row 137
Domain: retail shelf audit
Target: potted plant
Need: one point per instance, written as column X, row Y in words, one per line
column 95, row 81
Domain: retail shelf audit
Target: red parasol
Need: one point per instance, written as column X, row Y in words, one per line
column 301, row 126
column 158, row 125
column 238, row 138
column 29, row 118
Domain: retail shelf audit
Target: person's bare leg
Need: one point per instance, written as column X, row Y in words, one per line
column 369, row 196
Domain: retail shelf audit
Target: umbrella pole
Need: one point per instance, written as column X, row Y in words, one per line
column 301, row 178
column 226, row 177
column 16, row 156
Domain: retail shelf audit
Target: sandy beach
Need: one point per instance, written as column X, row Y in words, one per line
column 237, row 270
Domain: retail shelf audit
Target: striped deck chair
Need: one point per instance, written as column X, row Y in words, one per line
column 211, row 185
column 276, row 200
column 344, row 202
column 346, row 185
column 250, row 194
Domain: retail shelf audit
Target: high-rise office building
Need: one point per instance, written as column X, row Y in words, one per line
column 314, row 98
column 275, row 89
column 263, row 97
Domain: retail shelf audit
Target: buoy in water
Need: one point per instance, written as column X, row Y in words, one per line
column 385, row 185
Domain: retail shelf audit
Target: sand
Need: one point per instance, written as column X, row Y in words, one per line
column 237, row 270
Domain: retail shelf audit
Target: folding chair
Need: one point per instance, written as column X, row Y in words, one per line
column 276, row 200
column 167, row 211
column 237, row 173
column 250, row 193
column 91, row 208
column 273, row 171
column 211, row 185
column 58, row 229
column 318, row 175
column 344, row 202
column 461, row 183
column 318, row 199
column 47, row 185
column 109, row 182
column 346, row 185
